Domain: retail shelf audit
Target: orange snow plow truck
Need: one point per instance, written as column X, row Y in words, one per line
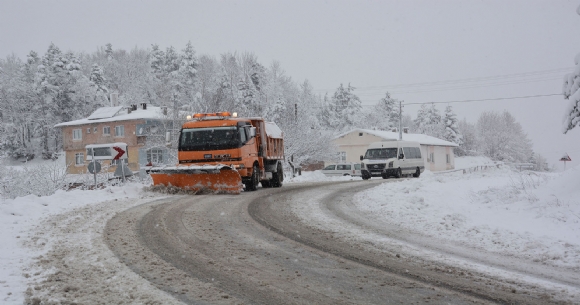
column 219, row 152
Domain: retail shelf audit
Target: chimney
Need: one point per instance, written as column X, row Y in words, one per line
column 143, row 106
column 406, row 129
column 164, row 109
column 133, row 107
column 129, row 109
column 114, row 99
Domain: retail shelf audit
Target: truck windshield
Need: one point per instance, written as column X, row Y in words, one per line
column 381, row 153
column 210, row 138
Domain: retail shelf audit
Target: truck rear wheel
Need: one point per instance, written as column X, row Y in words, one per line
column 278, row 176
column 252, row 184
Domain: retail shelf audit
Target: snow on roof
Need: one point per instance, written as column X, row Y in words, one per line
column 104, row 112
column 393, row 136
column 98, row 116
column 273, row 131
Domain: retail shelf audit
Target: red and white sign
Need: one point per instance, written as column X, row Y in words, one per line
column 120, row 152
column 565, row 158
column 109, row 151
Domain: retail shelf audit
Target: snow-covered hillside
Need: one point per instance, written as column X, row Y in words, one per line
column 520, row 214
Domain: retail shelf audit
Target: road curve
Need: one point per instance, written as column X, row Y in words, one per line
column 253, row 249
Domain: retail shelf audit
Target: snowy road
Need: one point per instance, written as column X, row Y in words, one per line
column 304, row 243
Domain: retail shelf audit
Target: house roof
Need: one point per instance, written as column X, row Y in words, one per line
column 393, row 136
column 114, row 114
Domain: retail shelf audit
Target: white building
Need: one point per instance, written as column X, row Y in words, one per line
column 437, row 153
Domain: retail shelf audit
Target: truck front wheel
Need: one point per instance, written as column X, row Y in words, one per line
column 252, row 184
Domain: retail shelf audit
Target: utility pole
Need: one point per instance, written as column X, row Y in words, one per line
column 400, row 120
column 296, row 113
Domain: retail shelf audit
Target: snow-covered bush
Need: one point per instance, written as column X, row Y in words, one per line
column 41, row 180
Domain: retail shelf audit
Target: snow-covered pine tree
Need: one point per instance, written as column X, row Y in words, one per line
column 434, row 127
column 98, row 83
column 188, row 65
column 452, row 133
column 347, row 108
column 109, row 51
column 385, row 114
column 157, row 61
column 571, row 91
column 501, row 138
column 422, row 120
column 468, row 146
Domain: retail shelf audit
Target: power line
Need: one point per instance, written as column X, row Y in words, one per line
column 460, row 101
column 482, row 100
column 505, row 77
column 364, row 94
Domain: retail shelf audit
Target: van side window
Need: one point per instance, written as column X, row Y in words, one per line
column 330, row 167
column 417, row 152
column 409, row 152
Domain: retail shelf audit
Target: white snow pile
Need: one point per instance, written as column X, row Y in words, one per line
column 521, row 214
column 19, row 218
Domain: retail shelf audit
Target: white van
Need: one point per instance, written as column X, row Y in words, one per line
column 392, row 158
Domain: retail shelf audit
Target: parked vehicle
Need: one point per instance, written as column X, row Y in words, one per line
column 219, row 152
column 392, row 158
column 342, row 169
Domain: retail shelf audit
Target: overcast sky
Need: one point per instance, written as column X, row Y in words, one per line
column 420, row 51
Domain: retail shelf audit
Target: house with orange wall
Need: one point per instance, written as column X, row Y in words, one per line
column 140, row 127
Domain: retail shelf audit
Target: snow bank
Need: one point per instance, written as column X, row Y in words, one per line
column 528, row 214
column 19, row 216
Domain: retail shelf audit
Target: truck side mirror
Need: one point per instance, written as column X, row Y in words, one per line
column 252, row 132
column 361, row 158
column 401, row 156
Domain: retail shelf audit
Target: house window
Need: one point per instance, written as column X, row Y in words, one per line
column 95, row 130
column 77, row 134
column 360, row 134
column 448, row 158
column 432, row 157
column 107, row 130
column 89, row 130
column 79, row 159
column 119, row 131
column 155, row 155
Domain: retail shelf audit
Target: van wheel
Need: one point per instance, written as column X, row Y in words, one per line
column 417, row 173
column 399, row 173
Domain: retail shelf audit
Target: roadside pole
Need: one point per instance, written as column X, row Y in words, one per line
column 94, row 167
column 123, row 169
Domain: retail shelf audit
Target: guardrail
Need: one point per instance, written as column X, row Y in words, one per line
column 470, row 169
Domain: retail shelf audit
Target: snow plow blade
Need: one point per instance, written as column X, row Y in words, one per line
column 217, row 179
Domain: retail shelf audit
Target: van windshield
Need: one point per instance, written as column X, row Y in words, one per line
column 381, row 153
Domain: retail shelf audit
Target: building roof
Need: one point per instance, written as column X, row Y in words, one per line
column 393, row 136
column 114, row 114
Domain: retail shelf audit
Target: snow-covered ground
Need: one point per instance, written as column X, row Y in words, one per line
column 520, row 214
